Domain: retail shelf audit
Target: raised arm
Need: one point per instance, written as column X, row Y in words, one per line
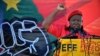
column 47, row 22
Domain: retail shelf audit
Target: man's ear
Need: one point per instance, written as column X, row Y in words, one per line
column 67, row 23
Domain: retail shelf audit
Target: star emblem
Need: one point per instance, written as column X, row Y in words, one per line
column 12, row 4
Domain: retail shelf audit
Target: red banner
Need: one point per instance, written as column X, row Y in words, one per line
column 89, row 8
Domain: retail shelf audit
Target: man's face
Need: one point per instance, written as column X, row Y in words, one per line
column 76, row 21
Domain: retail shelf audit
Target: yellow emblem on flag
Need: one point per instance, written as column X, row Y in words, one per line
column 12, row 4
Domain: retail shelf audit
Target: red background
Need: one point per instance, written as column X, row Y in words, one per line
column 89, row 9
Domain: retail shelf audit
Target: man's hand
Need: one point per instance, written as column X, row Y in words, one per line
column 60, row 7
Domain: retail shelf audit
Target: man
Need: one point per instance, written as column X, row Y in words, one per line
column 75, row 27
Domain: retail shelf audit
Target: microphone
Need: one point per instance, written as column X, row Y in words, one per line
column 71, row 36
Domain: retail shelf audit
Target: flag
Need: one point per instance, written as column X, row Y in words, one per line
column 20, row 9
column 90, row 10
column 1, row 11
